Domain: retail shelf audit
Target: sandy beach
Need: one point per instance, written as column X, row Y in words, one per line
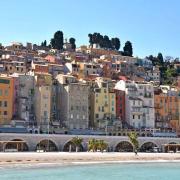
column 65, row 158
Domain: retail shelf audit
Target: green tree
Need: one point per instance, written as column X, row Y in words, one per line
column 134, row 140
column 153, row 60
column 52, row 43
column 58, row 41
column 102, row 145
column 90, row 39
column 72, row 41
column 104, row 41
column 77, row 141
column 44, row 43
column 115, row 42
column 160, row 59
column 107, row 42
column 128, row 50
column 92, row 145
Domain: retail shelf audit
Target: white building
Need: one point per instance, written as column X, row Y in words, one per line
column 139, row 103
column 154, row 75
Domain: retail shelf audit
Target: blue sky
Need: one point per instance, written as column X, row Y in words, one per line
column 151, row 25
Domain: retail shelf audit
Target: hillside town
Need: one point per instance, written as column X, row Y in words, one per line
column 88, row 90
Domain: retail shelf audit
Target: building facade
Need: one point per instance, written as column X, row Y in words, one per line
column 102, row 104
column 166, row 101
column 139, row 103
column 6, row 99
column 73, row 101
column 42, row 100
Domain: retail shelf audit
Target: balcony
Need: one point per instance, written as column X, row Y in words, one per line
column 158, row 106
column 147, row 96
column 137, row 111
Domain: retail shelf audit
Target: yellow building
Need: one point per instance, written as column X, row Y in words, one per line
column 6, row 99
column 102, row 104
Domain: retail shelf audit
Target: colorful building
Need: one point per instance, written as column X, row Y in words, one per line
column 120, row 105
column 42, row 100
column 102, row 104
column 166, row 101
column 73, row 100
column 139, row 103
column 6, row 99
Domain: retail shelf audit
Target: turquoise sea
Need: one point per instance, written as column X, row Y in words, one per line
column 132, row 171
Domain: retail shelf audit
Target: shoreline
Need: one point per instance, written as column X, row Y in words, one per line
column 48, row 159
column 56, row 165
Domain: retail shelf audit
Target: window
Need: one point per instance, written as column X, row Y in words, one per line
column 150, row 102
column 45, row 113
column 139, row 102
column 133, row 102
column 0, row 103
column 102, row 108
column 112, row 109
column 4, row 81
column 139, row 116
column 5, row 113
column 97, row 115
column 0, row 92
column 5, row 103
column 6, row 92
column 133, row 116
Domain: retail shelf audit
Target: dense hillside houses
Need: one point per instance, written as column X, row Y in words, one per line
column 88, row 89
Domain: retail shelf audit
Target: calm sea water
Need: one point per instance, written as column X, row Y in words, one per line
column 147, row 171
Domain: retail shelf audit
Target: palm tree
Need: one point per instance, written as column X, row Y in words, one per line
column 102, row 145
column 77, row 141
column 92, row 145
column 133, row 137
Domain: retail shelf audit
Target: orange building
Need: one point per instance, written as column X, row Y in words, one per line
column 166, row 101
column 6, row 99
